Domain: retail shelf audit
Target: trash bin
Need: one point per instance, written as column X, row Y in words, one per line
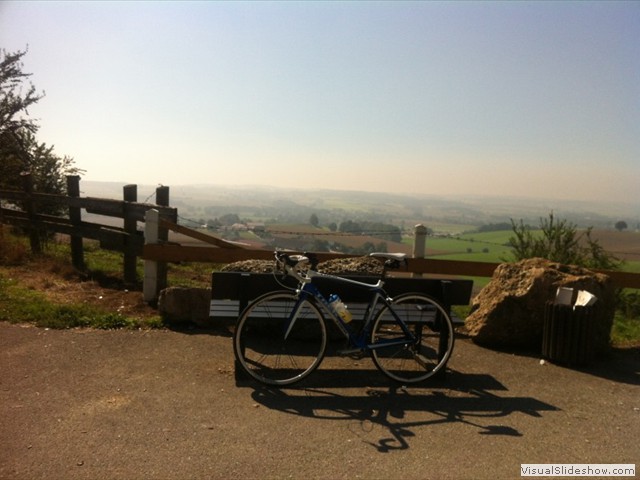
column 567, row 334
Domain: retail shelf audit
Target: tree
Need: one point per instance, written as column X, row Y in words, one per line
column 13, row 102
column 19, row 150
column 313, row 220
column 560, row 242
column 229, row 219
column 349, row 226
column 15, row 126
column 621, row 225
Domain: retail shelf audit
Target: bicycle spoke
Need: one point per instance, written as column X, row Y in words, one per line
column 272, row 348
column 419, row 359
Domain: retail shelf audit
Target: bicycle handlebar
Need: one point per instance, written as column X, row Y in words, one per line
column 293, row 265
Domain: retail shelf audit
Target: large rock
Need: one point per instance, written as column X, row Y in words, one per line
column 185, row 305
column 509, row 311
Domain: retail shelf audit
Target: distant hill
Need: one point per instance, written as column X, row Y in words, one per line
column 270, row 204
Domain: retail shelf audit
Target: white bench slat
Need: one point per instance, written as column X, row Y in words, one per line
column 230, row 309
column 224, row 308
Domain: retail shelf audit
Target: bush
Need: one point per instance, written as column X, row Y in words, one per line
column 560, row 242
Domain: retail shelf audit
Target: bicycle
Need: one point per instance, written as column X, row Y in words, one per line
column 281, row 336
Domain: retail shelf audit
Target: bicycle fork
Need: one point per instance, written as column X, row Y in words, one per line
column 295, row 313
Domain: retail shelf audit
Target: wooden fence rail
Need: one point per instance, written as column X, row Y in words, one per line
column 23, row 207
column 180, row 253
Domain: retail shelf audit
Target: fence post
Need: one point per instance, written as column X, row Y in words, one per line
column 29, row 207
column 162, row 199
column 419, row 241
column 130, row 194
column 75, row 216
column 150, row 283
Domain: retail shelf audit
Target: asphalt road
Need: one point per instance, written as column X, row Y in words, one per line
column 93, row 404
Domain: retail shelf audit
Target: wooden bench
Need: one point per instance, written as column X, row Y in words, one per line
column 232, row 291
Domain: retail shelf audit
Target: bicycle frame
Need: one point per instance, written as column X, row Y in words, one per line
column 359, row 340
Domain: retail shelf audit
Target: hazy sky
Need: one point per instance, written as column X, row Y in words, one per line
column 506, row 98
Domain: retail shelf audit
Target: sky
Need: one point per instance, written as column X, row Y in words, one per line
column 527, row 99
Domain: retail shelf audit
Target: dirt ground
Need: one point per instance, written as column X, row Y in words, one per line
column 164, row 404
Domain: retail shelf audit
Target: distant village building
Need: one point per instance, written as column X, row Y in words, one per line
column 256, row 227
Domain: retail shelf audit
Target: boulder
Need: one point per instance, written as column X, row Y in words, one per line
column 185, row 305
column 509, row 311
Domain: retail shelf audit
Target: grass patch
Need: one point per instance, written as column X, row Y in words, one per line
column 100, row 261
column 106, row 266
column 626, row 323
column 19, row 304
column 191, row 275
column 625, row 331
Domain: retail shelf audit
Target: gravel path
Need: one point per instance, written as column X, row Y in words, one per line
column 93, row 404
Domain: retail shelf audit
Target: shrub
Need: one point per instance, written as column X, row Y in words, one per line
column 560, row 242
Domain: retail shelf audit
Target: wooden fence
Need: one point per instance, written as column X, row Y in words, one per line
column 24, row 207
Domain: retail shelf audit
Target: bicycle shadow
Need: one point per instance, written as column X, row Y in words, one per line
column 465, row 398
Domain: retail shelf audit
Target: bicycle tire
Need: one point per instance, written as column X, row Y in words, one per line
column 264, row 349
column 430, row 323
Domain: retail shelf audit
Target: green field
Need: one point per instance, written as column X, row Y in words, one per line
column 631, row 266
column 450, row 228
column 492, row 247
column 485, row 247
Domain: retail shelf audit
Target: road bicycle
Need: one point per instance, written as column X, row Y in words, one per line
column 281, row 337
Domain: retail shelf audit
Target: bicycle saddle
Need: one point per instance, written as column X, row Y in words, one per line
column 389, row 256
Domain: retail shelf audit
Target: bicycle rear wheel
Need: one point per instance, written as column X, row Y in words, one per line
column 430, row 324
column 276, row 346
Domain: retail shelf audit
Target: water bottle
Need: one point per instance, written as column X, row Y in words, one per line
column 339, row 307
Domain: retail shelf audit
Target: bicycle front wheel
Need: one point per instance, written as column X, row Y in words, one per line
column 277, row 345
column 432, row 331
